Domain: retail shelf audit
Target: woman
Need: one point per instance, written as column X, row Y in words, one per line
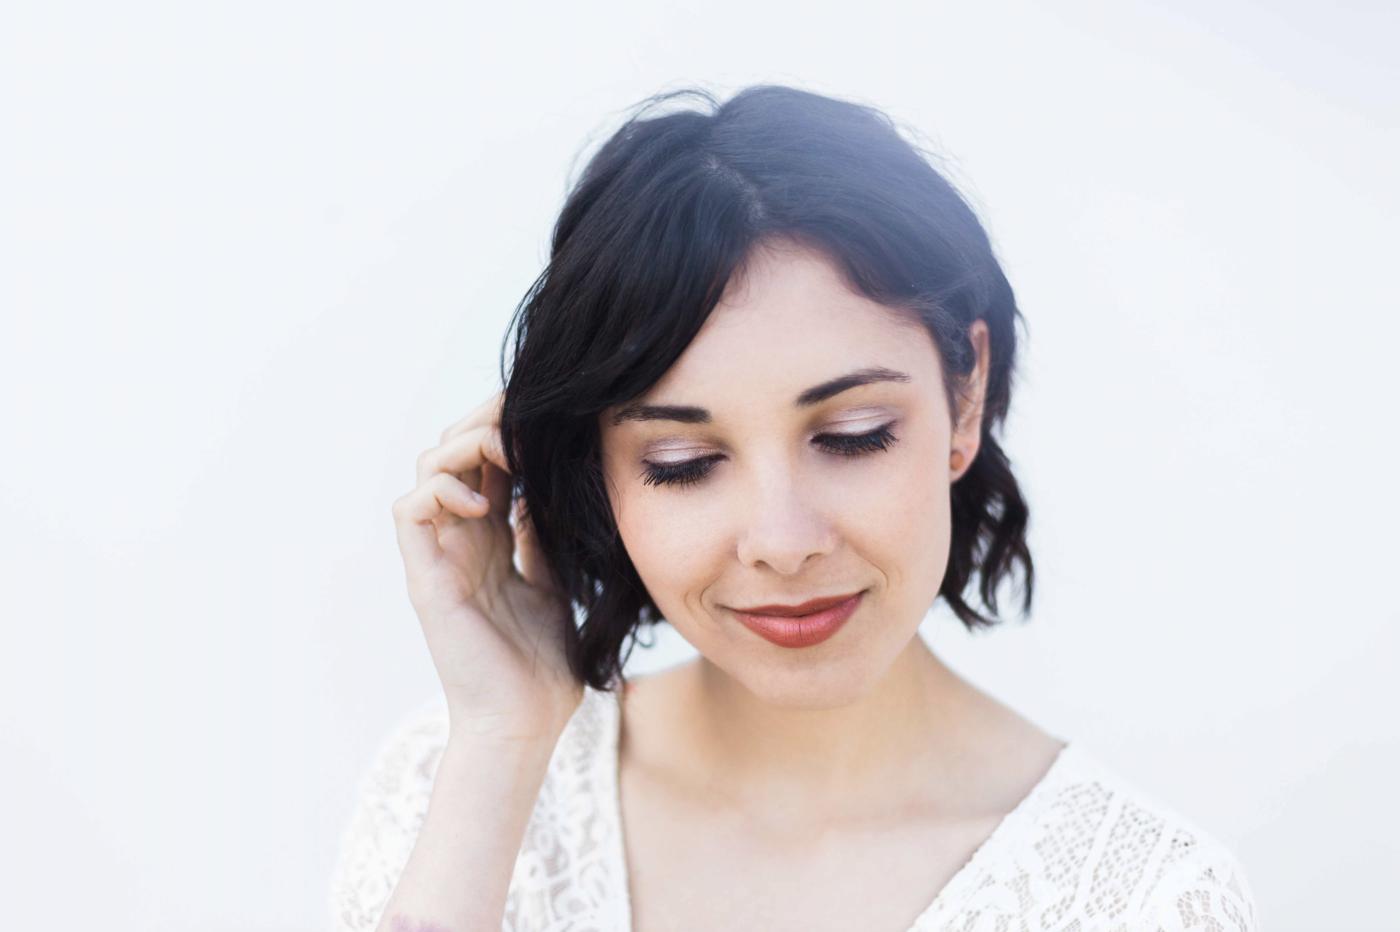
column 754, row 394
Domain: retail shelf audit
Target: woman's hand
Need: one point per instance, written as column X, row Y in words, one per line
column 495, row 633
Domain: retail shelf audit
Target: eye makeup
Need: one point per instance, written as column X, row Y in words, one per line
column 693, row 471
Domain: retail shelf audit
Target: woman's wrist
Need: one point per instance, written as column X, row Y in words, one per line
column 484, row 791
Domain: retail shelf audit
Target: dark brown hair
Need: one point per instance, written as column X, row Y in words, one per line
column 663, row 215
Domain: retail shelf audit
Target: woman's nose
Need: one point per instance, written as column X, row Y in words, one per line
column 782, row 524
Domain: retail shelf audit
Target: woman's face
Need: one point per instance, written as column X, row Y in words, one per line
column 775, row 512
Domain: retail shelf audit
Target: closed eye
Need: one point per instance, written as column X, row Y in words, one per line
column 693, row 471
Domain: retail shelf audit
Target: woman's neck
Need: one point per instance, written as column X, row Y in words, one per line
column 800, row 765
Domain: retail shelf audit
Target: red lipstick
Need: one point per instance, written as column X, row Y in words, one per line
column 800, row 625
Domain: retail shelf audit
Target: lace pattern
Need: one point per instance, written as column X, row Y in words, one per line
column 1085, row 850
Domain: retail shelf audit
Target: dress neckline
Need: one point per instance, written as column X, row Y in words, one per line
column 1003, row 838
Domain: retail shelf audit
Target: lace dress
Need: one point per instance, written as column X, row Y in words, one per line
column 1084, row 850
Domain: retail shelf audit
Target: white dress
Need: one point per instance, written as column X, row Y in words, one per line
column 1084, row 850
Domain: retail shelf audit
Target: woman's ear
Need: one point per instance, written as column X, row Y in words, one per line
column 967, row 431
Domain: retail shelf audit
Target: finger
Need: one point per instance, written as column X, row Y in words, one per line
column 493, row 448
column 488, row 412
column 472, row 457
column 460, row 456
column 464, row 455
column 496, row 482
column 415, row 512
column 533, row 566
column 496, row 487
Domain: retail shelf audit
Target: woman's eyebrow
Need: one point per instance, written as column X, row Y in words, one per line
column 689, row 414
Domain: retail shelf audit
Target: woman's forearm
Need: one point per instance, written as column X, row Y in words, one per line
column 458, row 874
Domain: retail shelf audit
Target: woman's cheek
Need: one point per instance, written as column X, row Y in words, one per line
column 902, row 520
column 901, row 492
column 670, row 552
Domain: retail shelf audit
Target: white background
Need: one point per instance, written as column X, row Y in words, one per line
column 257, row 255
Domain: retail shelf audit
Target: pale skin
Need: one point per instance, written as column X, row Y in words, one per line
column 833, row 786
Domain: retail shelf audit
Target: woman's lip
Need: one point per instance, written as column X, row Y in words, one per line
column 805, row 608
column 801, row 630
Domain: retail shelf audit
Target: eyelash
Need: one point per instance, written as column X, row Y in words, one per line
column 693, row 471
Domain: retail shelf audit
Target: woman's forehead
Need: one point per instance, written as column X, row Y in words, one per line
column 789, row 350
column 788, row 328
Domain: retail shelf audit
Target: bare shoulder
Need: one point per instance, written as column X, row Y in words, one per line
column 1008, row 753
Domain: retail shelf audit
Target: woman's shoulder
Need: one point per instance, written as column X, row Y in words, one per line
column 1123, row 853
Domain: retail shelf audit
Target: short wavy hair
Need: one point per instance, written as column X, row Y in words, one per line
column 666, row 211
